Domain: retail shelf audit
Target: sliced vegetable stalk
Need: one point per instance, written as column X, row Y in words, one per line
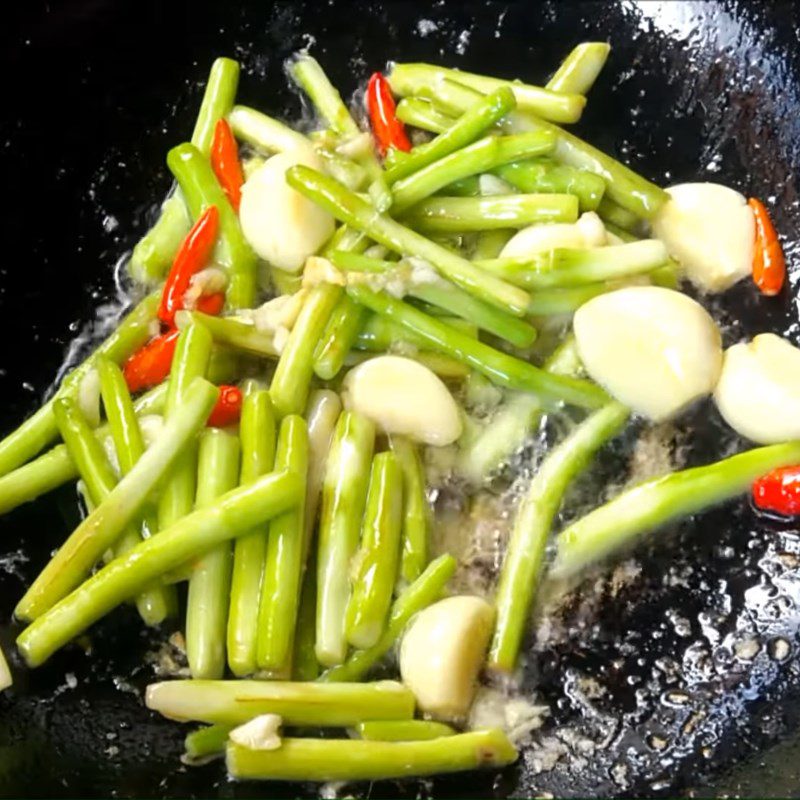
column 232, row 333
column 544, row 176
column 411, row 730
column 305, row 666
column 579, row 70
column 206, row 742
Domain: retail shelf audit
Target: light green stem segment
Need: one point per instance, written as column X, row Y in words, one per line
column 305, row 666
column 6, row 679
column 210, row 581
column 205, row 742
column 409, row 79
column 285, row 561
column 426, row 589
column 374, row 573
column 265, row 133
column 231, row 333
column 501, row 368
column 552, row 302
column 356, row 212
column 480, row 156
column 302, row 704
column 85, row 546
column 579, row 70
column 402, row 730
column 380, row 334
column 358, row 759
column 257, row 432
column 522, row 565
column 465, row 214
column 191, row 359
column 41, row 430
column 201, row 189
column 416, row 513
column 490, row 244
column 657, row 502
column 344, row 494
column 158, row 602
column 232, row 515
column 421, row 113
column 615, row 214
column 459, row 134
column 565, row 267
column 154, row 253
column 337, row 339
column 290, row 384
column 55, row 467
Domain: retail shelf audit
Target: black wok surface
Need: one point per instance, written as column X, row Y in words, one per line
column 678, row 669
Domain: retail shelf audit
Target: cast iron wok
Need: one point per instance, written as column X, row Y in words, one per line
column 672, row 672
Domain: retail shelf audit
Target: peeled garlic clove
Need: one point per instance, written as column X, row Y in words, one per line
column 260, row 733
column 401, row 396
column 442, row 652
column 710, row 229
column 655, row 350
column 588, row 231
column 758, row 392
column 283, row 227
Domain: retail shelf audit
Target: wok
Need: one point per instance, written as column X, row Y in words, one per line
column 652, row 678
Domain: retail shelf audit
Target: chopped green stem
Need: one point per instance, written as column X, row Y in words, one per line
column 542, row 175
column 380, row 334
column 519, row 577
column 305, row 666
column 285, row 561
column 416, row 514
column 408, row 79
column 201, row 189
column 551, row 302
column 357, row 213
column 421, row 113
column 301, row 704
column 374, row 572
column 220, row 93
column 232, row 515
column 615, row 214
column 84, row 548
column 265, row 133
column 344, row 493
column 205, row 742
column 579, row 70
column 337, row 339
column 6, row 679
column 462, row 214
column 426, row 589
column 292, row 379
column 210, row 581
column 231, row 332
column 402, row 730
column 659, row 501
column 490, row 244
column 257, row 432
column 500, row 368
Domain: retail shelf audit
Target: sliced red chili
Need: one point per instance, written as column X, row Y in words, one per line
column 769, row 264
column 150, row 365
column 225, row 162
column 387, row 129
column 228, row 407
column 779, row 491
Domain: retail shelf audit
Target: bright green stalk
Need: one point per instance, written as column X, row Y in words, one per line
column 285, row 282
column 224, row 366
column 491, row 243
column 232, row 333
column 206, row 742
column 564, row 267
column 551, row 302
column 201, row 189
column 542, row 175
column 357, row 213
column 84, row 548
column 285, row 561
column 346, row 320
column 421, row 113
column 464, row 187
column 480, row 156
column 257, row 433
column 579, row 70
column 265, row 133
column 40, row 430
column 414, row 547
column 402, row 730
column 445, row 367
column 659, row 501
column 344, row 492
column 380, row 335
column 462, row 214
column 301, row 704
column 155, row 252
column 357, row 759
column 426, row 589
column 524, row 557
column 375, row 564
column 234, row 513
column 615, row 214
column 290, row 384
column 192, row 354
column 501, row 368
column 458, row 134
column 408, row 79
column 210, row 581
column 352, row 175
column 305, row 666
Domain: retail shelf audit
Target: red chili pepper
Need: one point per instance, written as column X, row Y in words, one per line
column 387, row 129
column 779, row 491
column 192, row 256
column 769, row 265
column 228, row 407
column 211, row 304
column 150, row 365
column 225, row 162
